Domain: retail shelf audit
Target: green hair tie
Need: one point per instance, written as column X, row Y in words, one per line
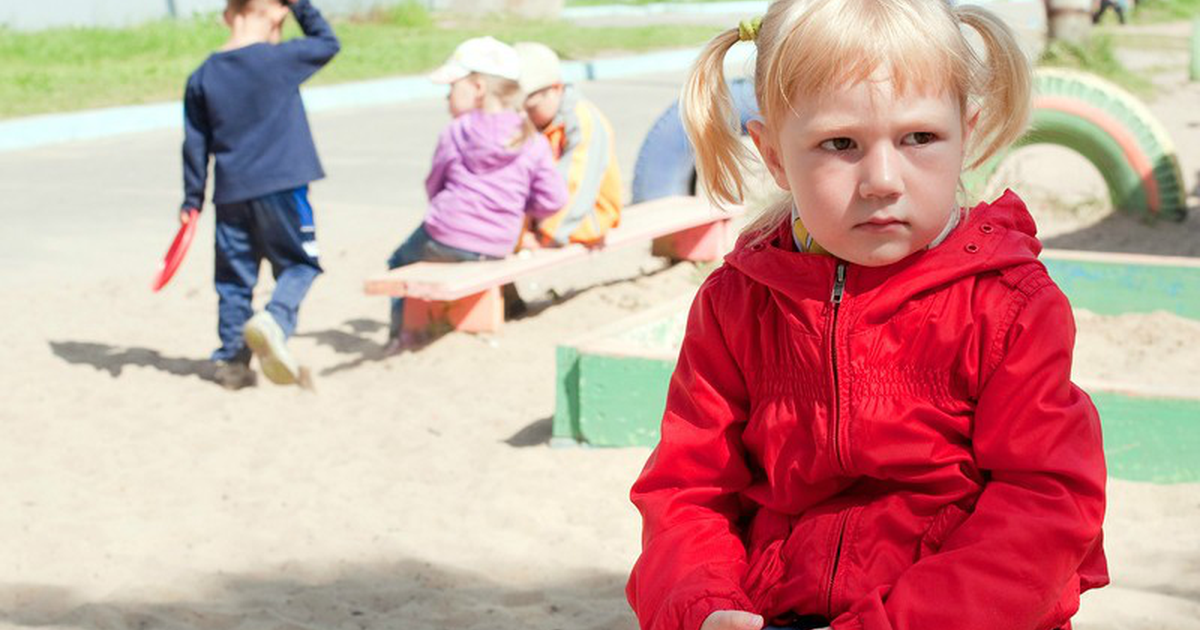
column 748, row 29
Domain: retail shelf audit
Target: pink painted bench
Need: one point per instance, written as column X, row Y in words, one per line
column 466, row 296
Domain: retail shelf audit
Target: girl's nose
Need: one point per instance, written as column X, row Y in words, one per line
column 879, row 177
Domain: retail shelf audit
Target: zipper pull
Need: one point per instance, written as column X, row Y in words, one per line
column 839, row 284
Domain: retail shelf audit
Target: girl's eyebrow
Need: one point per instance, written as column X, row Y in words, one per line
column 839, row 123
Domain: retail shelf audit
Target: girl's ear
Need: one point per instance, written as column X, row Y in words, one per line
column 764, row 140
column 970, row 120
column 481, row 89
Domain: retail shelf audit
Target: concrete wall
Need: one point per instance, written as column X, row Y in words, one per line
column 29, row 15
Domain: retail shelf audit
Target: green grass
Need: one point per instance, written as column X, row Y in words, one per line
column 1154, row 11
column 1096, row 55
column 78, row 68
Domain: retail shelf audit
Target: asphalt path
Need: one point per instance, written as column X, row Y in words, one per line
column 106, row 208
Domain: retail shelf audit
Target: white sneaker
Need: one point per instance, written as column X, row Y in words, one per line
column 266, row 340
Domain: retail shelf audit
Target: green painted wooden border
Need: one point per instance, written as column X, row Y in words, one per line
column 1112, row 288
column 622, row 398
column 618, row 401
column 565, row 426
column 1150, row 439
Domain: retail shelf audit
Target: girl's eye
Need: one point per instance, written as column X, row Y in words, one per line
column 838, row 144
column 919, row 138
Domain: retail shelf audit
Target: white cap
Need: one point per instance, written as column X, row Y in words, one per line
column 485, row 55
column 540, row 67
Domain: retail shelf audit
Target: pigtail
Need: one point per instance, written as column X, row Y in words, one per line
column 1005, row 87
column 507, row 94
column 528, row 130
column 712, row 125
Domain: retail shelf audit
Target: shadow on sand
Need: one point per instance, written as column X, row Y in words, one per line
column 408, row 595
column 536, row 434
column 1125, row 232
column 356, row 337
column 114, row 359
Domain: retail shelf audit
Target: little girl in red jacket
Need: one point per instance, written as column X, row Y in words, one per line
column 872, row 423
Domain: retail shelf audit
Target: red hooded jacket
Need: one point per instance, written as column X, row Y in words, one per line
column 898, row 449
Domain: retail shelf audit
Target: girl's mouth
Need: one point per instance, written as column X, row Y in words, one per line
column 881, row 224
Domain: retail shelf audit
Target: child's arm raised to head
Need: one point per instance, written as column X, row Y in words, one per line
column 311, row 52
column 693, row 561
column 195, row 146
column 1012, row 562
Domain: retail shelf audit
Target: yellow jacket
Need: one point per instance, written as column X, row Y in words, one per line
column 582, row 141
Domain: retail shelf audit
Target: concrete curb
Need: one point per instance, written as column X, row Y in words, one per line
column 48, row 129
column 749, row 7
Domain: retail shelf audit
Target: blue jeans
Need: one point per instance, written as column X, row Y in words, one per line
column 278, row 227
column 420, row 247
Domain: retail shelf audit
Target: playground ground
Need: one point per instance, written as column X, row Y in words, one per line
column 414, row 492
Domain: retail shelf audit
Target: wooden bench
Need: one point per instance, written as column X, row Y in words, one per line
column 466, row 296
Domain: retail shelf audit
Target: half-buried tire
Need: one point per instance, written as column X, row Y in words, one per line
column 665, row 164
column 1111, row 129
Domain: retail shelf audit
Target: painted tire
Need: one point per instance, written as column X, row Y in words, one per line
column 665, row 164
column 1111, row 129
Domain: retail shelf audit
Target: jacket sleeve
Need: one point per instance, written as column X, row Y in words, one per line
column 444, row 156
column 1037, row 439
column 196, row 133
column 547, row 190
column 305, row 55
column 693, row 560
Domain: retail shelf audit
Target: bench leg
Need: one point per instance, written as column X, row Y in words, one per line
column 703, row 243
column 482, row 312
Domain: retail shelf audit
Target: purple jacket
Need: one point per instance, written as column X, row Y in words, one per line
column 480, row 190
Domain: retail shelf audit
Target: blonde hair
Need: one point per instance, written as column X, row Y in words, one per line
column 507, row 94
column 807, row 47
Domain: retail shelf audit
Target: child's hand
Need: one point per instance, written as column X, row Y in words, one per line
column 185, row 215
column 732, row 620
column 529, row 241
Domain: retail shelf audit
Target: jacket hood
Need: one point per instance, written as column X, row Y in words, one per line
column 482, row 139
column 994, row 236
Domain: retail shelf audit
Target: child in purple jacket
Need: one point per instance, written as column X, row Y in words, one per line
column 491, row 169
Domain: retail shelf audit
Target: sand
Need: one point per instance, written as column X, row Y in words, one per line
column 408, row 493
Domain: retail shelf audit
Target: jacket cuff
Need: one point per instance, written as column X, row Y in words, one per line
column 694, row 615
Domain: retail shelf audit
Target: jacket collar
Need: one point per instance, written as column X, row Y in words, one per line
column 994, row 236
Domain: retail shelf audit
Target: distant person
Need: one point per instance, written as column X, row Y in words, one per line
column 1120, row 7
column 582, row 141
column 491, row 169
column 242, row 106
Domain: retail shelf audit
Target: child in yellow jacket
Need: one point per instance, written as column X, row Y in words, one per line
column 582, row 142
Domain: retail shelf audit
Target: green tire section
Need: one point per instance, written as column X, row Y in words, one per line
column 1126, row 188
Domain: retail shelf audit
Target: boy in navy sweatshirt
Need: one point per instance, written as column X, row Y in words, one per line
column 242, row 106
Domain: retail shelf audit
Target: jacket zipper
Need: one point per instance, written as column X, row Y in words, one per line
column 837, row 559
column 839, row 288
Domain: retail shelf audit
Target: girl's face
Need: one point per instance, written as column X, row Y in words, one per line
column 873, row 173
column 466, row 94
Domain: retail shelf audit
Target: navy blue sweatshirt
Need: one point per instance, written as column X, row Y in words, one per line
column 243, row 107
